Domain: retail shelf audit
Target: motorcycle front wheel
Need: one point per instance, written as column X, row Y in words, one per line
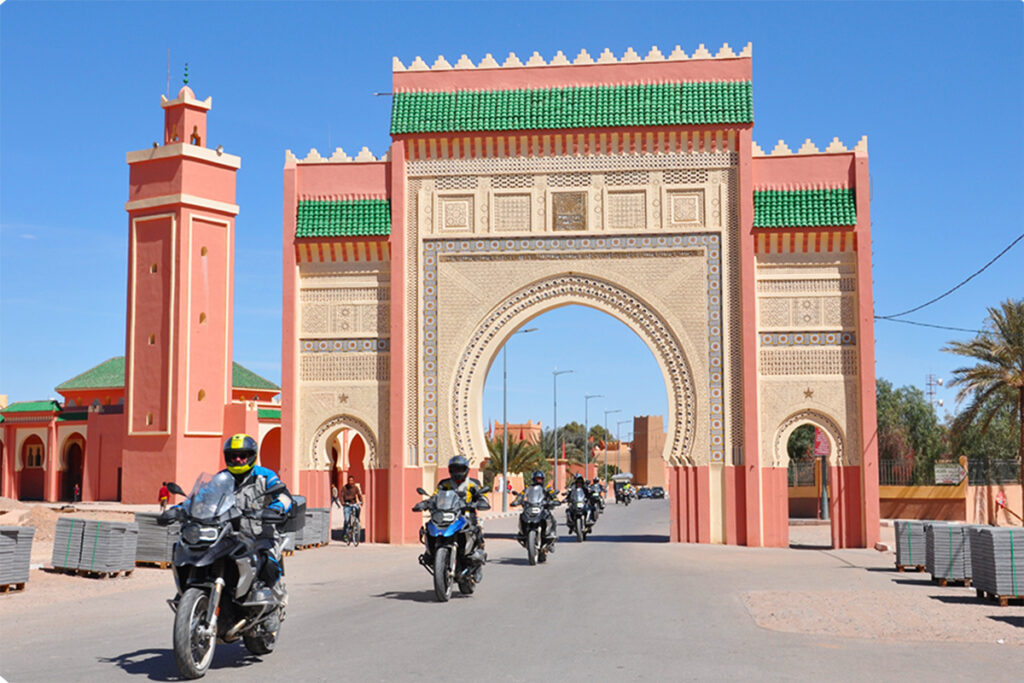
column 580, row 528
column 532, row 545
column 193, row 649
column 443, row 573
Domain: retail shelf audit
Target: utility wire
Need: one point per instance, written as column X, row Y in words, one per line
column 950, row 291
column 914, row 322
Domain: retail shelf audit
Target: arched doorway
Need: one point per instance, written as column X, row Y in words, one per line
column 809, row 445
column 73, row 460
column 270, row 450
column 344, row 445
column 33, row 455
column 609, row 360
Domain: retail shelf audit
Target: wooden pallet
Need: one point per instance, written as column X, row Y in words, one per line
column 152, row 563
column 910, row 567
column 946, row 582
column 12, row 587
column 287, row 553
column 93, row 574
column 1003, row 600
column 309, row 546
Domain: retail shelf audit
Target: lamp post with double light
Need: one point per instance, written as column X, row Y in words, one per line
column 586, row 432
column 554, row 380
column 607, row 435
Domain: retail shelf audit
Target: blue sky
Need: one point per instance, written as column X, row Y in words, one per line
column 935, row 86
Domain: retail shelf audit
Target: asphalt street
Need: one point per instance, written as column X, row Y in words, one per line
column 624, row 604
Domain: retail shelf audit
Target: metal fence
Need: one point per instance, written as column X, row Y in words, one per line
column 982, row 472
column 801, row 473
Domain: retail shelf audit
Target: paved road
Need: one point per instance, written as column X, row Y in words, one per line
column 625, row 604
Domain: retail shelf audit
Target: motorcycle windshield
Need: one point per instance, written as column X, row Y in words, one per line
column 212, row 495
column 578, row 495
column 534, row 495
column 448, row 501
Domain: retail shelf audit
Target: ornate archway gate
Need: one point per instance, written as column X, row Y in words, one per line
column 630, row 185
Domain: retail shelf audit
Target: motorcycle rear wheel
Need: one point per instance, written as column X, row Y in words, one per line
column 532, row 546
column 193, row 652
column 443, row 574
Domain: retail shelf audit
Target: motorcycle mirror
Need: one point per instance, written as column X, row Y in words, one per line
column 175, row 489
column 485, row 490
column 419, row 490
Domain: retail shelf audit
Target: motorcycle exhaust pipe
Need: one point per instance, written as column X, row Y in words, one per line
column 233, row 631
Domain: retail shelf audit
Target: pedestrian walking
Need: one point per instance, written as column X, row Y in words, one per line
column 334, row 495
column 78, row 493
column 164, row 496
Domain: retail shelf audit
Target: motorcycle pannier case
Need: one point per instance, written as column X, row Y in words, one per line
column 296, row 516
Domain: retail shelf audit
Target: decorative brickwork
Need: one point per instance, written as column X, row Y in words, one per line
column 807, row 361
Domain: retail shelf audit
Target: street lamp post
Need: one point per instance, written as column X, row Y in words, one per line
column 618, row 443
column 586, row 432
column 504, row 417
column 607, row 434
column 554, row 381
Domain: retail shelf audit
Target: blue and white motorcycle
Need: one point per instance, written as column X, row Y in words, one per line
column 454, row 541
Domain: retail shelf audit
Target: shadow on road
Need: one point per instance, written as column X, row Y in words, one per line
column 1012, row 621
column 519, row 561
column 808, row 546
column 412, row 596
column 157, row 664
column 957, row 599
column 628, row 538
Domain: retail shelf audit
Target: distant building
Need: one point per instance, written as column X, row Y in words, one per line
column 529, row 432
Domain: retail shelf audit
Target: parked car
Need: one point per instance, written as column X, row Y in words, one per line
column 644, row 492
column 657, row 492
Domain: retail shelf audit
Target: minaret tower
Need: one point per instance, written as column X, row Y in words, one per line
column 181, row 218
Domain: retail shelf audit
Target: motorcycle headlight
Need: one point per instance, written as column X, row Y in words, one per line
column 190, row 533
column 535, row 511
column 443, row 517
column 579, row 505
column 207, row 533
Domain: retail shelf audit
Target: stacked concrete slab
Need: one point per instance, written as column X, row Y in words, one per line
column 15, row 553
column 997, row 560
column 947, row 551
column 910, row 543
column 316, row 530
column 156, row 543
column 95, row 546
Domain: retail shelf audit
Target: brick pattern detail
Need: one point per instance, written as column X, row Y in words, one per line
column 511, row 212
column 627, row 210
column 547, row 164
column 627, row 178
column 808, row 361
column 343, row 367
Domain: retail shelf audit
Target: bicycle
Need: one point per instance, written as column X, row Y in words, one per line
column 352, row 532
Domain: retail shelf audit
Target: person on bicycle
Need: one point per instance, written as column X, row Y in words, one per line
column 351, row 499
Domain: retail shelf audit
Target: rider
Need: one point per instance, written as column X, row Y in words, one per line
column 597, row 489
column 578, row 482
column 459, row 480
column 251, row 485
column 351, row 499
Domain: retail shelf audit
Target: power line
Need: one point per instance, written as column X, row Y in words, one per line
column 950, row 291
column 914, row 322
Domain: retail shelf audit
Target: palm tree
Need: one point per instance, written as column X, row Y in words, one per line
column 996, row 382
column 523, row 456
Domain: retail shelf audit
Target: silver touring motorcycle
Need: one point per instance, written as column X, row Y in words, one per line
column 223, row 589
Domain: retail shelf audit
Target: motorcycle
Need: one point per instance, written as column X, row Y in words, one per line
column 579, row 513
column 596, row 500
column 627, row 497
column 454, row 542
column 222, row 589
column 538, row 532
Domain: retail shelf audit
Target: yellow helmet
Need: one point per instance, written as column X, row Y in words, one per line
column 240, row 453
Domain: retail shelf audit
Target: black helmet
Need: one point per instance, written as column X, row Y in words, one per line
column 240, row 454
column 579, row 480
column 538, row 477
column 458, row 468
column 597, row 480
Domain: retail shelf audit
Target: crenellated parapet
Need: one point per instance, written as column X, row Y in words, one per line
column 338, row 157
column 781, row 149
column 630, row 56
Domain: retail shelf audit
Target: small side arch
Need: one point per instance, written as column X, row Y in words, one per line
column 320, row 458
column 780, row 455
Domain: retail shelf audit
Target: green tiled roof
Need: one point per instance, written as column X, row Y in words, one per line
column 109, row 373
column 343, row 218
column 73, row 417
column 655, row 104
column 268, row 414
column 802, row 208
column 244, row 378
column 33, row 407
